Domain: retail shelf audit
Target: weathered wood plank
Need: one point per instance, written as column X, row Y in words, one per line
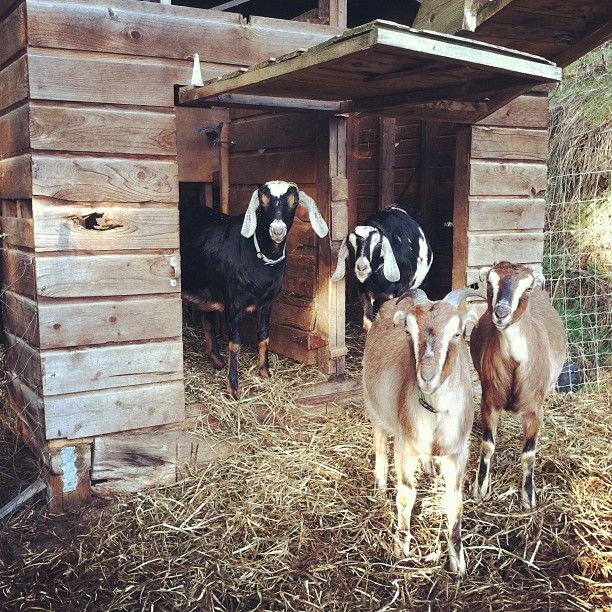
column 23, row 361
column 19, row 232
column 271, row 132
column 508, row 214
column 256, row 168
column 18, row 272
column 69, row 477
column 16, row 177
column 109, row 367
column 107, row 79
column 27, row 406
column 295, row 312
column 501, row 179
column 197, row 157
column 101, row 130
column 90, row 179
column 102, row 412
column 524, row 111
column 13, row 33
column 132, row 461
column 450, row 16
column 106, row 275
column 509, row 143
column 519, row 247
column 14, row 80
column 88, row 323
column 152, row 30
column 14, row 131
column 20, row 317
column 462, row 188
column 100, row 227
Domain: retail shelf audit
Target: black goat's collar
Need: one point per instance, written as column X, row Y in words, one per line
column 426, row 404
column 267, row 261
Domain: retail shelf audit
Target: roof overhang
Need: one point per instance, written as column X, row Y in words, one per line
column 385, row 68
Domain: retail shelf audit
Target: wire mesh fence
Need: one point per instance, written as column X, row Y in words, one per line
column 578, row 264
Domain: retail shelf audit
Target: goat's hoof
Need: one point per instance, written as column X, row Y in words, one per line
column 457, row 565
column 233, row 393
column 401, row 548
column 265, row 372
column 479, row 492
column 529, row 504
column 217, row 362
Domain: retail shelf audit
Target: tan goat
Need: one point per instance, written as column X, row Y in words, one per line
column 518, row 348
column 416, row 384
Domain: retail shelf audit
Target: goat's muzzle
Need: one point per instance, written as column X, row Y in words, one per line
column 362, row 269
column 502, row 315
column 427, row 377
column 278, row 231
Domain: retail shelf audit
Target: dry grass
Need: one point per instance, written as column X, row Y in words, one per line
column 291, row 522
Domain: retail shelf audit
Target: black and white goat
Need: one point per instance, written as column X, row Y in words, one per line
column 390, row 254
column 417, row 388
column 518, row 348
column 237, row 265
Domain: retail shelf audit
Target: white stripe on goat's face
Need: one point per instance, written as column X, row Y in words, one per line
column 364, row 240
column 424, row 261
column 279, row 188
column 435, row 329
column 508, row 288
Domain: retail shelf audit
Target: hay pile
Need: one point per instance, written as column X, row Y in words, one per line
column 291, row 522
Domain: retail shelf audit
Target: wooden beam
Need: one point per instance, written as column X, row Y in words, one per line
column 189, row 96
column 228, row 5
column 450, row 16
column 461, row 206
column 598, row 37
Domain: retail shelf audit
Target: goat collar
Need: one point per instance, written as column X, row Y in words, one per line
column 427, row 405
column 267, row 261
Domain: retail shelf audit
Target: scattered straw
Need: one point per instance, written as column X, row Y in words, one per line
column 292, row 523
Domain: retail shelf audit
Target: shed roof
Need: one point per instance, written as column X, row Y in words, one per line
column 382, row 67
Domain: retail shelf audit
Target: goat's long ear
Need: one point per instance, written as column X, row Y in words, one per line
column 341, row 265
column 484, row 273
column 538, row 277
column 250, row 218
column 390, row 269
column 314, row 216
column 399, row 318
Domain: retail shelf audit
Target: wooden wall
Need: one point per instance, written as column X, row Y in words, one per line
column 89, row 185
column 501, row 180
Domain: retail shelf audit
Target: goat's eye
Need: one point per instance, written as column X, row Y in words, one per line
column 457, row 335
column 407, row 332
column 529, row 289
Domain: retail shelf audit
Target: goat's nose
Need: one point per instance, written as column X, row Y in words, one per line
column 362, row 266
column 502, row 310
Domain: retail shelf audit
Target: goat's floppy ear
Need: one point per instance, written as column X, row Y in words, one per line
column 341, row 265
column 314, row 216
column 399, row 318
column 538, row 277
column 250, row 218
column 390, row 269
column 484, row 273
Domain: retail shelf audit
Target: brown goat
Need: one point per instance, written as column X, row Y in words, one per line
column 518, row 348
column 416, row 385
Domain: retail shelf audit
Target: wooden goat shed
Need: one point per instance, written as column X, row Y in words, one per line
column 95, row 153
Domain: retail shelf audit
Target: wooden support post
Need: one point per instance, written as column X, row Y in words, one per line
column 224, row 147
column 69, row 476
column 427, row 197
column 334, row 12
column 461, row 205
column 386, row 161
column 331, row 307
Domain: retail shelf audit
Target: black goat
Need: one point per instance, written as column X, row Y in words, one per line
column 237, row 265
column 390, row 255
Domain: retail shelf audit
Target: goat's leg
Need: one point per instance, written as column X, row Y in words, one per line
column 263, row 337
column 453, row 469
column 489, row 418
column 405, row 469
column 209, row 326
column 532, row 421
column 233, row 317
column 381, row 460
column 367, row 303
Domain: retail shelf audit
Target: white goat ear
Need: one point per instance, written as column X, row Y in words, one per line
column 316, row 220
column 484, row 273
column 390, row 269
column 341, row 265
column 399, row 318
column 538, row 277
column 250, row 218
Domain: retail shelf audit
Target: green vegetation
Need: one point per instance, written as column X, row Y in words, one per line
column 578, row 250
